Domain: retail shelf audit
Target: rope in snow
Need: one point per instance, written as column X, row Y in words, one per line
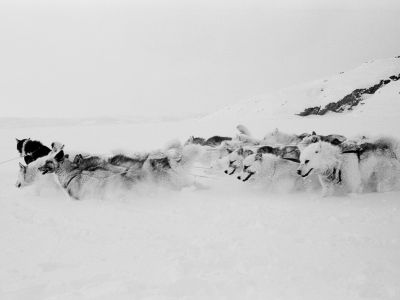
column 204, row 168
column 203, row 176
column 9, row 160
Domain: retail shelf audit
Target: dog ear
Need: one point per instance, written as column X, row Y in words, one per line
column 313, row 133
column 57, row 146
column 59, row 156
column 78, row 159
column 18, row 140
column 258, row 156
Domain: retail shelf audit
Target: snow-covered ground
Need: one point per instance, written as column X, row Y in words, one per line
column 230, row 240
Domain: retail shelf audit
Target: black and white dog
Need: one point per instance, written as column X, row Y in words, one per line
column 31, row 150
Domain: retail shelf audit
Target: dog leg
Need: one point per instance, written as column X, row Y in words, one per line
column 325, row 186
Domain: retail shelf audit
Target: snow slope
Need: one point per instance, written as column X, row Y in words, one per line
column 279, row 109
column 228, row 241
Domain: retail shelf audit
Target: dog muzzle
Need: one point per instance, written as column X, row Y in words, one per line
column 248, row 176
column 305, row 175
column 231, row 172
column 44, row 170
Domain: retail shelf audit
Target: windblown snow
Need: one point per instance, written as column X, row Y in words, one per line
column 227, row 240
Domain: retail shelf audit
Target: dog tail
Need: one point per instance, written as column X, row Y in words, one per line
column 243, row 130
column 247, row 139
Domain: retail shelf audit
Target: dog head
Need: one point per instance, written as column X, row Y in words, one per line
column 310, row 139
column 251, row 166
column 22, row 176
column 318, row 157
column 51, row 165
column 20, row 145
column 235, row 159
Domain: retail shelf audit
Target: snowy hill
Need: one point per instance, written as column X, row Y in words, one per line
column 376, row 82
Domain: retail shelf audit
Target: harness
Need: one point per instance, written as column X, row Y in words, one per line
column 366, row 147
column 357, row 152
column 65, row 185
column 335, row 175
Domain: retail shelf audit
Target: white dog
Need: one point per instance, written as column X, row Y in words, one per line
column 337, row 170
column 277, row 137
column 235, row 159
column 30, row 175
column 276, row 172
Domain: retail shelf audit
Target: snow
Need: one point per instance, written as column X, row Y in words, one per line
column 230, row 240
column 267, row 112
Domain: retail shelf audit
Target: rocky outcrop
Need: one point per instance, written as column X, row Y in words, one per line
column 349, row 101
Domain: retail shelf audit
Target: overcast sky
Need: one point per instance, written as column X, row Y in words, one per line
column 120, row 58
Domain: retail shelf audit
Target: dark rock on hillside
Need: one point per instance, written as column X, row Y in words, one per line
column 349, row 101
column 310, row 111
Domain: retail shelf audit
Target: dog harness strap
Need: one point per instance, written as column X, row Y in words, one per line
column 69, row 181
column 358, row 152
column 336, row 174
column 340, row 176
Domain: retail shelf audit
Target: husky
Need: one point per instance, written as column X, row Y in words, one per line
column 235, row 160
column 277, row 137
column 80, row 184
column 248, row 140
column 31, row 150
column 30, row 174
column 214, row 157
column 132, row 164
column 195, row 141
column 128, row 162
column 373, row 165
column 171, row 166
column 245, row 136
column 335, row 170
column 213, row 141
column 379, row 164
column 271, row 169
column 93, row 162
